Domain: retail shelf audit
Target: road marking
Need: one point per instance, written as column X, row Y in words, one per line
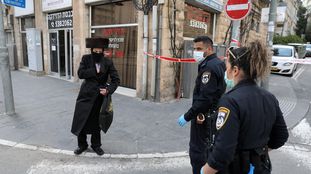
column 113, row 166
column 298, row 73
column 92, row 155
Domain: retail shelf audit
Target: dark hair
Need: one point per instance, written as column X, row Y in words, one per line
column 253, row 59
column 205, row 39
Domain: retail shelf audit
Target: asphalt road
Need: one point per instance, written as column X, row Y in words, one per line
column 292, row 158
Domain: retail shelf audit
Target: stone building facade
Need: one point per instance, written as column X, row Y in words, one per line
column 64, row 25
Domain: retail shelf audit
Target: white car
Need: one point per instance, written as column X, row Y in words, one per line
column 282, row 59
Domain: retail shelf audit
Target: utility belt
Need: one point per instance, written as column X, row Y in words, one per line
column 209, row 120
column 257, row 159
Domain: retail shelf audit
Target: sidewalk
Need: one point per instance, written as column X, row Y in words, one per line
column 45, row 106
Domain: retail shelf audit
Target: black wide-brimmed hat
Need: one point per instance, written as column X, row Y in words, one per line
column 96, row 42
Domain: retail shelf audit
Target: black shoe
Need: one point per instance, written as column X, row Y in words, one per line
column 79, row 150
column 99, row 151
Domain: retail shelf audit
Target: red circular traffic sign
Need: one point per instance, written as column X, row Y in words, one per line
column 238, row 9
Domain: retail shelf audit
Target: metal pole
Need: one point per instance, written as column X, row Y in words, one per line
column 5, row 69
column 235, row 38
column 271, row 28
column 158, row 62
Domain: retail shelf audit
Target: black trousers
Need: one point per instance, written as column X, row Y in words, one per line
column 95, row 140
column 197, row 160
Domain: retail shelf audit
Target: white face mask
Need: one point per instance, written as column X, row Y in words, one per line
column 198, row 56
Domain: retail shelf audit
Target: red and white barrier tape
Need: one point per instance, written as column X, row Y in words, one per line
column 192, row 60
column 171, row 59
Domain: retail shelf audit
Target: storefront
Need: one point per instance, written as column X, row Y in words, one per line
column 118, row 22
column 60, row 44
column 60, row 37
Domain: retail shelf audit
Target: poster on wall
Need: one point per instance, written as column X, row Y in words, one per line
column 116, row 41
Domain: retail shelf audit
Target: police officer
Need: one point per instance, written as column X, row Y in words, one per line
column 249, row 120
column 209, row 87
column 94, row 69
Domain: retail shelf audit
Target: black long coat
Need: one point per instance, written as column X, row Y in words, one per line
column 89, row 100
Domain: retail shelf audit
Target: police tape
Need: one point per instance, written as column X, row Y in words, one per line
column 171, row 59
column 192, row 60
column 299, row 61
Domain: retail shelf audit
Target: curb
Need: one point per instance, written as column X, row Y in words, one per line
column 93, row 155
column 294, row 125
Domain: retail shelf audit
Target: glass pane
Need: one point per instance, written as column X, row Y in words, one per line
column 123, row 51
column 62, row 53
column 282, row 52
column 53, row 52
column 25, row 51
column 28, row 22
column 197, row 22
column 114, row 13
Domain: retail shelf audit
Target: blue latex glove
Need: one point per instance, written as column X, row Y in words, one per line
column 181, row 120
column 251, row 169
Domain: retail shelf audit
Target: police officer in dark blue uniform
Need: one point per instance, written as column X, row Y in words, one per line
column 249, row 120
column 209, row 87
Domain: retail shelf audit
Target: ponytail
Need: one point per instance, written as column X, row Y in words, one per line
column 258, row 60
column 253, row 59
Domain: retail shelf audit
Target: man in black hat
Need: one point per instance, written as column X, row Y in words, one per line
column 94, row 69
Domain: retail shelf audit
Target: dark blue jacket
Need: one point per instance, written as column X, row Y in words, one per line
column 209, row 87
column 249, row 117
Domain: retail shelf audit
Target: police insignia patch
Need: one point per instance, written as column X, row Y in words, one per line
column 223, row 114
column 205, row 77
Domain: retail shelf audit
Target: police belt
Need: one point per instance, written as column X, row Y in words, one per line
column 210, row 119
column 258, row 157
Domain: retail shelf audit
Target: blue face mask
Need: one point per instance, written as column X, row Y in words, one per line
column 198, row 56
column 230, row 83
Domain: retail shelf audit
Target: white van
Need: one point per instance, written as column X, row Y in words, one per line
column 282, row 59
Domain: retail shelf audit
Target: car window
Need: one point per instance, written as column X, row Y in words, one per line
column 282, row 52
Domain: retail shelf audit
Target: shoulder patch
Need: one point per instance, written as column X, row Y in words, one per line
column 205, row 77
column 223, row 114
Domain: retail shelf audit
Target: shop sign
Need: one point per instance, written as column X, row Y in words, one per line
column 215, row 4
column 16, row 3
column 197, row 22
column 60, row 20
column 28, row 10
column 48, row 5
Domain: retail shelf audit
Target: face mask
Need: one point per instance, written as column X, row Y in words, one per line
column 198, row 56
column 97, row 56
column 230, row 83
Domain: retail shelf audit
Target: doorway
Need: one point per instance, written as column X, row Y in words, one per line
column 61, row 53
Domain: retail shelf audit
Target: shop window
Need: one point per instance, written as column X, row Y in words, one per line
column 123, row 51
column 28, row 22
column 114, row 13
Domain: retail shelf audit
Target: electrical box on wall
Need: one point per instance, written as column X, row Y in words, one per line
column 34, row 49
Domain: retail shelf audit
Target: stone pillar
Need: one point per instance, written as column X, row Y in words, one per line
column 18, row 42
column 41, row 23
column 81, row 30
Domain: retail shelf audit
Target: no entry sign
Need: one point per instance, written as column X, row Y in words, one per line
column 237, row 9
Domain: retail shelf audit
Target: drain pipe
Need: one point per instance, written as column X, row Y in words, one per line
column 154, row 49
column 145, row 59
